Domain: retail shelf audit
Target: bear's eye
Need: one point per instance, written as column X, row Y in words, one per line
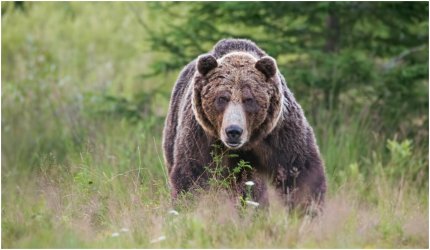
column 248, row 100
column 223, row 100
column 250, row 105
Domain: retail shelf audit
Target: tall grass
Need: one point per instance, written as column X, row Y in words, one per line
column 77, row 172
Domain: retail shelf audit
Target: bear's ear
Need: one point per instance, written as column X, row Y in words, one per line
column 267, row 66
column 206, row 63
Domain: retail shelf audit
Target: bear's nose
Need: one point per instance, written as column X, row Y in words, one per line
column 233, row 132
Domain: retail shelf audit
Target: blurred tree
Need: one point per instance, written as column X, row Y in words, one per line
column 370, row 52
column 19, row 5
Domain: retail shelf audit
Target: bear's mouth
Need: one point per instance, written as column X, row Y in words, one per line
column 233, row 144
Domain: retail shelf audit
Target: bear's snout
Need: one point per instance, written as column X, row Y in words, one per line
column 233, row 134
column 233, row 130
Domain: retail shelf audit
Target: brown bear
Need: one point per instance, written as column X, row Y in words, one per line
column 235, row 96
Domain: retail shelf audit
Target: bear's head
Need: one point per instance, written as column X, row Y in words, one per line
column 237, row 98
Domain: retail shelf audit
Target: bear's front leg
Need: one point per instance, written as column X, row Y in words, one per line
column 191, row 157
column 302, row 188
column 187, row 175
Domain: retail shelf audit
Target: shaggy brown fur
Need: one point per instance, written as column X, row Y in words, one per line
column 277, row 140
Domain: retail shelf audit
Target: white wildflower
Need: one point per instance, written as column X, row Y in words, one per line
column 249, row 183
column 116, row 234
column 173, row 212
column 161, row 238
column 252, row 203
column 124, row 230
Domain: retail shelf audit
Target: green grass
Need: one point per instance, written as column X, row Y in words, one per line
column 79, row 164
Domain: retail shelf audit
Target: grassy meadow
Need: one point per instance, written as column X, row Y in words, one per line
column 82, row 165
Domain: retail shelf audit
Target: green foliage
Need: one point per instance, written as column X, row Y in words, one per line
column 221, row 176
column 400, row 152
column 84, row 100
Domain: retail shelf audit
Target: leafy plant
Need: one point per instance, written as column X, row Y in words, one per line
column 221, row 176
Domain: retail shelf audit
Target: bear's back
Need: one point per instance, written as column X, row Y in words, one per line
column 226, row 46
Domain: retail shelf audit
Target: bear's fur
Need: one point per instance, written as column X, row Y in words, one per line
column 238, row 84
